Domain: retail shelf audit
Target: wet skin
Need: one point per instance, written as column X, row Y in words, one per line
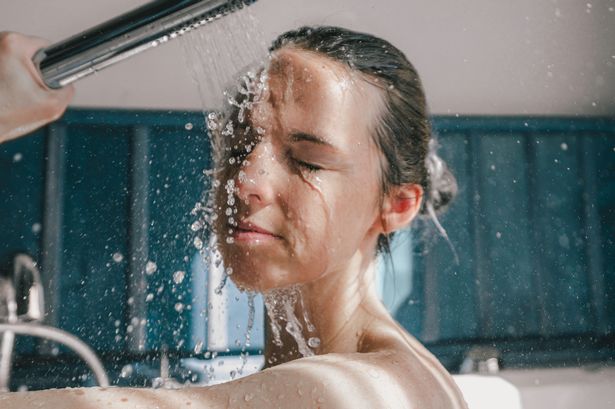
column 308, row 193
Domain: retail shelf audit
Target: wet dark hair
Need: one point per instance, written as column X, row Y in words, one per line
column 403, row 132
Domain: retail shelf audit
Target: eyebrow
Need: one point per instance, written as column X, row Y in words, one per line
column 306, row 137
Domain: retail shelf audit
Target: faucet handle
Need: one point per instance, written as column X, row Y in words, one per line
column 8, row 305
column 481, row 359
column 28, row 288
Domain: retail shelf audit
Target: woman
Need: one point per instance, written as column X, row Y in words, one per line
column 323, row 158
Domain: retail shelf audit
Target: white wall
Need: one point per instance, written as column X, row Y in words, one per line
column 551, row 57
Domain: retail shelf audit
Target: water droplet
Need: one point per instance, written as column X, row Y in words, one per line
column 127, row 370
column 198, row 243
column 498, row 235
column 564, row 146
column 17, row 157
column 118, row 257
column 130, row 301
column 179, row 307
column 179, row 276
column 314, row 342
column 36, row 228
column 157, row 383
column 189, row 126
column 196, row 226
column 149, row 297
column 150, row 268
column 198, row 347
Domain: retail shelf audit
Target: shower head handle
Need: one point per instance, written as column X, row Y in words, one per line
column 126, row 35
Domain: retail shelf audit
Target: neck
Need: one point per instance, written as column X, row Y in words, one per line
column 332, row 313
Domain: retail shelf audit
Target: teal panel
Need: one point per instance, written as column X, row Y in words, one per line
column 506, row 276
column 95, row 227
column 22, row 187
column 602, row 157
column 177, row 160
column 557, row 200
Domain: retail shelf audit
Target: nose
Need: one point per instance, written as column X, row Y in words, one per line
column 256, row 181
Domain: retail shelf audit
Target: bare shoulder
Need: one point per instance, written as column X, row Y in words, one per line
column 418, row 373
column 384, row 379
column 329, row 381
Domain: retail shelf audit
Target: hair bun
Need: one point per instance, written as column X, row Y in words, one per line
column 441, row 184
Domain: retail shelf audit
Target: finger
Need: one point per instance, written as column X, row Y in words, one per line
column 65, row 95
column 22, row 44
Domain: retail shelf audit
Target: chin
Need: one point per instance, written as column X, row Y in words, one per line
column 250, row 280
column 259, row 277
column 248, row 274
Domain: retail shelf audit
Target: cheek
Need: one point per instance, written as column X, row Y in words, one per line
column 331, row 219
column 308, row 213
column 353, row 213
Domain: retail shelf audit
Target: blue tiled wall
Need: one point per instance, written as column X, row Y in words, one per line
column 533, row 227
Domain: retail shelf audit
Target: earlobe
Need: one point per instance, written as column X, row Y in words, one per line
column 401, row 206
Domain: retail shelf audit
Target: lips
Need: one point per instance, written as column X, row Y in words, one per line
column 248, row 231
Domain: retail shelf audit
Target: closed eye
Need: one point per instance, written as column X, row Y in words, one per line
column 310, row 167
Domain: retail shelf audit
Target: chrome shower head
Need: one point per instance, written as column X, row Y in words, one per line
column 126, row 35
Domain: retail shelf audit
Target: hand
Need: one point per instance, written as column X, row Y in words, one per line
column 26, row 103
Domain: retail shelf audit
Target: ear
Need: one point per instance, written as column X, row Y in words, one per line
column 400, row 206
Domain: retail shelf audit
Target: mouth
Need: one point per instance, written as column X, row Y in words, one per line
column 252, row 233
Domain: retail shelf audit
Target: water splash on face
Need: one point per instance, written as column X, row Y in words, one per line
column 281, row 306
column 251, row 315
column 215, row 54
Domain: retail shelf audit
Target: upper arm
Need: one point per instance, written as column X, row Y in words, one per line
column 316, row 382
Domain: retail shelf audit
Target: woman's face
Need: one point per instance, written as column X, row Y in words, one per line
column 303, row 182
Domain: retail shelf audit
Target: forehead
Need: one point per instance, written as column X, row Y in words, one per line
column 300, row 75
column 307, row 86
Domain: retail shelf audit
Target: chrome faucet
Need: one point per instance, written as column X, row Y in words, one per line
column 22, row 309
